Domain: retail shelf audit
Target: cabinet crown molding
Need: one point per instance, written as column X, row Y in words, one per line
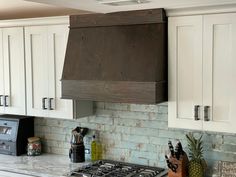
column 56, row 20
column 201, row 10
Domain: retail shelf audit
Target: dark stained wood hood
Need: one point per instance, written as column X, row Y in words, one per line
column 117, row 57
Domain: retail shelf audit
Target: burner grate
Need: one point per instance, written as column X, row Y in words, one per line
column 107, row 168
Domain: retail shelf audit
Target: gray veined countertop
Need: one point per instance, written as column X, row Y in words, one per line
column 46, row 165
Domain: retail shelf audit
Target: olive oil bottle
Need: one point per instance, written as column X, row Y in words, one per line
column 93, row 149
column 96, row 149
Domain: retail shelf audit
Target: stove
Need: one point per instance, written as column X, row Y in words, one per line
column 108, row 168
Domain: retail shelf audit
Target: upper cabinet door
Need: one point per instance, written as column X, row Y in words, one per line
column 14, row 70
column 219, row 69
column 1, row 75
column 36, row 70
column 57, row 41
column 185, row 72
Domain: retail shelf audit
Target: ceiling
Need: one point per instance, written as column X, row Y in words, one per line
column 12, row 9
column 96, row 6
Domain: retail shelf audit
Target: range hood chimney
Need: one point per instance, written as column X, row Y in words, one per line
column 117, row 57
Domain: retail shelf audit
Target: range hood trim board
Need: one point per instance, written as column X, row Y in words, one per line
column 137, row 17
column 117, row 57
column 114, row 91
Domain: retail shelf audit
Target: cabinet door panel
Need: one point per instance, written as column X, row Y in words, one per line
column 36, row 69
column 1, row 73
column 185, row 71
column 219, row 71
column 14, row 70
column 57, row 41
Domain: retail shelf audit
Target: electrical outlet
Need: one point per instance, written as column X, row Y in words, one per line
column 87, row 151
column 87, row 154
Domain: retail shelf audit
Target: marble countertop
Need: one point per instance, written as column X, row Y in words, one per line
column 46, row 165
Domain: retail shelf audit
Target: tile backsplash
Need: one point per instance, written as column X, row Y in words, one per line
column 133, row 133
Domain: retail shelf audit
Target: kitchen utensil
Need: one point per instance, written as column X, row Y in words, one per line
column 180, row 148
column 77, row 150
column 171, row 148
column 78, row 134
column 177, row 151
column 177, row 155
column 84, row 131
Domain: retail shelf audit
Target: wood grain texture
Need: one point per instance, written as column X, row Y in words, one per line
column 127, row 55
column 119, row 18
column 114, row 91
column 182, row 170
column 119, row 53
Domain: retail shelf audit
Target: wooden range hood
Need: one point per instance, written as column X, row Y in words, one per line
column 117, row 57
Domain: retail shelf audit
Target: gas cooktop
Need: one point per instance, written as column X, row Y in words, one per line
column 108, row 168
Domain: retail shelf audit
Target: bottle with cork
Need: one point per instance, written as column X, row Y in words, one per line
column 96, row 149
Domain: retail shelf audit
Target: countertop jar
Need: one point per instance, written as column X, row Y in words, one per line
column 34, row 147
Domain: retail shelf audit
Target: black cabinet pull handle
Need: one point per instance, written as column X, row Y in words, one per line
column 206, row 113
column 44, row 103
column 50, row 104
column 6, row 97
column 1, row 96
column 196, row 112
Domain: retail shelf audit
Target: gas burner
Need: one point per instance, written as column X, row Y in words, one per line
column 108, row 168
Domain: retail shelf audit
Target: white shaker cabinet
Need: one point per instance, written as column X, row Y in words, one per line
column 219, row 70
column 202, row 72
column 36, row 70
column 12, row 71
column 185, row 71
column 57, row 41
column 45, row 53
column 1, row 75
